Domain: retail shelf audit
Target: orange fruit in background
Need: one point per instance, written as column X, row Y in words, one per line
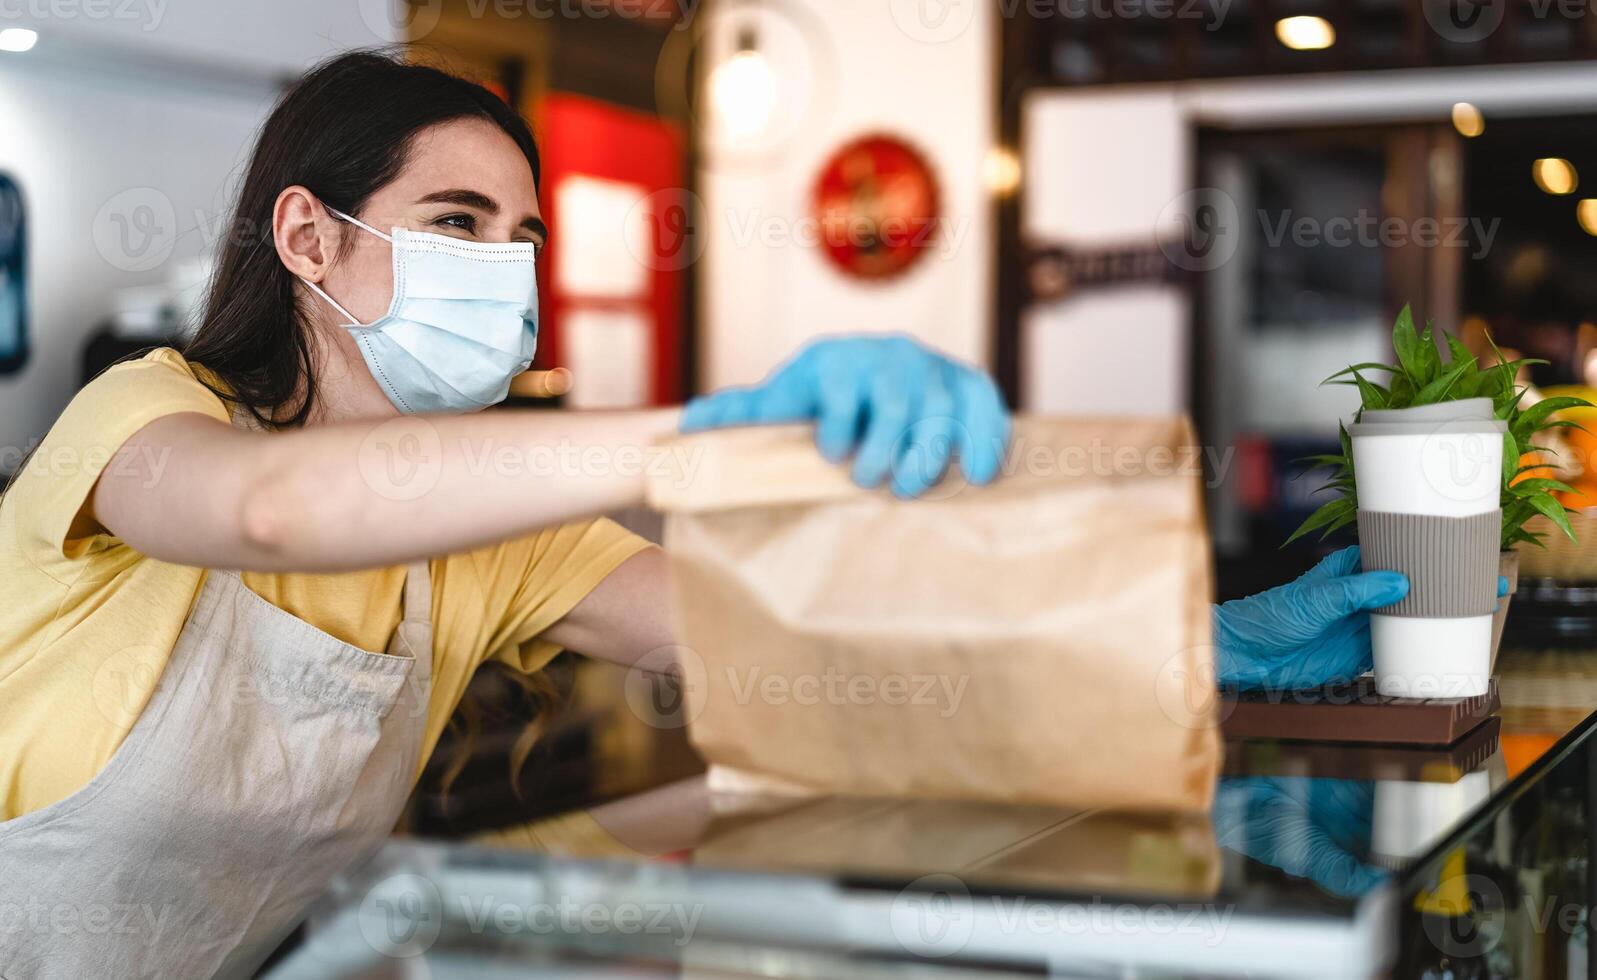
column 1544, row 467
column 1582, row 449
column 1585, row 494
column 1577, row 459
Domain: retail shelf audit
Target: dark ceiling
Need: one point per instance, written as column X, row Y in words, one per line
column 1090, row 42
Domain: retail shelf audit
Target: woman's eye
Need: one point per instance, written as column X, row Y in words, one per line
column 462, row 222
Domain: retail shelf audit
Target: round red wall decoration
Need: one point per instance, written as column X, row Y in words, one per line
column 876, row 206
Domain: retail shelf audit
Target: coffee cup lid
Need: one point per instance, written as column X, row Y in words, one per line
column 1454, row 411
column 1457, row 426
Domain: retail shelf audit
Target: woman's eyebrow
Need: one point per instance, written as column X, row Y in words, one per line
column 482, row 202
column 464, row 198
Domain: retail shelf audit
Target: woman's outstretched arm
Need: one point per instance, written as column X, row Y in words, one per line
column 192, row 490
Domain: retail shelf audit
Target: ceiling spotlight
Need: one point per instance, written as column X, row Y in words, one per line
column 1468, row 120
column 18, row 39
column 1305, row 33
column 1554, row 175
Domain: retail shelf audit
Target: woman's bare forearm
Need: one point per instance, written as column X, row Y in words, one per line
column 359, row 495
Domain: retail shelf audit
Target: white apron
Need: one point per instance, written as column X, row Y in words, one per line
column 271, row 756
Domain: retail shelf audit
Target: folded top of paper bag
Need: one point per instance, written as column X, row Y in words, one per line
column 778, row 464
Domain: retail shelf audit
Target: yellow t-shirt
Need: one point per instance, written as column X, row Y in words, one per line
column 87, row 623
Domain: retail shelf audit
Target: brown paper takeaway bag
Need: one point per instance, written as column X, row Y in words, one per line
column 1042, row 640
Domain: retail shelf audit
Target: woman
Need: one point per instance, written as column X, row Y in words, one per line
column 209, row 747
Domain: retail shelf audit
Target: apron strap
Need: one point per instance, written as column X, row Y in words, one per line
column 419, row 592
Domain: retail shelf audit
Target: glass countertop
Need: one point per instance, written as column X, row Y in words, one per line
column 1316, row 860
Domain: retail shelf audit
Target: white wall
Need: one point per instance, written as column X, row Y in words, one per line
column 1099, row 170
column 1102, row 165
column 105, row 118
column 876, row 68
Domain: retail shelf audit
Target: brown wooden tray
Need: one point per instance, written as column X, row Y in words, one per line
column 1352, row 713
column 1355, row 760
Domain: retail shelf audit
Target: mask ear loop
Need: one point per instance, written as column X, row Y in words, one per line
column 331, row 301
column 323, row 293
column 357, row 222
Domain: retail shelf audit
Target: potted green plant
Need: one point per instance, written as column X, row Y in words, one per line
column 1433, row 472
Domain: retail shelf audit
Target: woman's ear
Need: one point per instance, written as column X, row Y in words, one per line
column 306, row 236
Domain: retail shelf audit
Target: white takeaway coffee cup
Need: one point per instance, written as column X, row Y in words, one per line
column 1409, row 816
column 1429, row 484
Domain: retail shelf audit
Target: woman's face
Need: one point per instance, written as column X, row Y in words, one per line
column 465, row 179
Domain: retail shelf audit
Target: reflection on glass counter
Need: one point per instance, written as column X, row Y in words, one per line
column 1316, row 860
column 1509, row 893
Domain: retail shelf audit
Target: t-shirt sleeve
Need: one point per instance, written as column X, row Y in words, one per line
column 557, row 569
column 52, row 489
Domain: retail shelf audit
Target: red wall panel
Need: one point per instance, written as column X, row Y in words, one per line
column 586, row 137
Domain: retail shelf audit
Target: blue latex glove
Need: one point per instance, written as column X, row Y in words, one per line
column 1307, row 633
column 898, row 407
column 1309, row 828
column 1310, row 632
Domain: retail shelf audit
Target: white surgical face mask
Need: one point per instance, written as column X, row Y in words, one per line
column 462, row 323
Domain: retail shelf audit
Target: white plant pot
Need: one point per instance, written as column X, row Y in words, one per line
column 1442, row 461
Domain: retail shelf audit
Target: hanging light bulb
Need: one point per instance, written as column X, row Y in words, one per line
column 743, row 88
